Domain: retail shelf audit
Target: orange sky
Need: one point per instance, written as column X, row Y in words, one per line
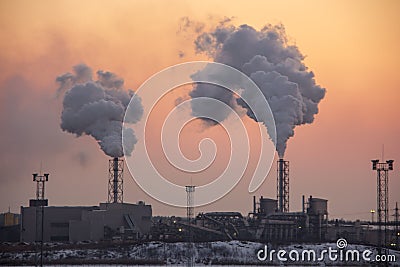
column 351, row 46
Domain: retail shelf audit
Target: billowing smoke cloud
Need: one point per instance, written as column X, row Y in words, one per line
column 274, row 65
column 97, row 108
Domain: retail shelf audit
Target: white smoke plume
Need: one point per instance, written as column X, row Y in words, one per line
column 274, row 65
column 97, row 108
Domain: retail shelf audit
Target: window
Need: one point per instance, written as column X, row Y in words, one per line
column 59, row 224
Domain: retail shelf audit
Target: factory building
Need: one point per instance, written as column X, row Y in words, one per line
column 317, row 210
column 266, row 223
column 269, row 224
column 108, row 221
column 270, row 220
column 9, row 227
column 9, row 219
column 95, row 223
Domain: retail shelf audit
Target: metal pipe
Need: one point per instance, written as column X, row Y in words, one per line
column 254, row 205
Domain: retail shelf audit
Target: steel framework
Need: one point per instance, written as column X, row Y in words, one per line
column 115, row 180
column 40, row 181
column 40, row 188
column 283, row 185
column 382, row 169
column 190, row 213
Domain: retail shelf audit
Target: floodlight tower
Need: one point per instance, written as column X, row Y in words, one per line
column 40, row 181
column 283, row 185
column 39, row 203
column 382, row 169
column 190, row 201
column 190, row 213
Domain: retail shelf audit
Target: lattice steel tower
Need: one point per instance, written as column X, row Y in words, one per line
column 190, row 201
column 382, row 169
column 115, row 180
column 39, row 203
column 283, row 185
column 40, row 182
column 190, row 213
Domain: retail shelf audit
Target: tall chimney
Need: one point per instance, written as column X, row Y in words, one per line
column 115, row 180
column 283, row 185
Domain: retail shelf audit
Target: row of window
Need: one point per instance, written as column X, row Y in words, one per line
column 59, row 224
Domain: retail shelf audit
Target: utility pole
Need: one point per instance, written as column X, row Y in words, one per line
column 372, row 216
column 40, row 203
column 396, row 225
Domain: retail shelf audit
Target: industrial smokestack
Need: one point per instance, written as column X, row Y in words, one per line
column 115, row 180
column 283, row 185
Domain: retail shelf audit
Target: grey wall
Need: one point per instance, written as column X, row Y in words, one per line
column 82, row 223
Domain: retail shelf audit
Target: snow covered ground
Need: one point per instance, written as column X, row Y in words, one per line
column 212, row 253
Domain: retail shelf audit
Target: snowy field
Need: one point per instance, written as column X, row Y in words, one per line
column 175, row 254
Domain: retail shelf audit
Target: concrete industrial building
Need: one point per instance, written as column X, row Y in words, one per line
column 95, row 223
column 9, row 219
column 9, row 227
column 108, row 221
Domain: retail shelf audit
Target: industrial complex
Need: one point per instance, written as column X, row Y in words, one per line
column 268, row 221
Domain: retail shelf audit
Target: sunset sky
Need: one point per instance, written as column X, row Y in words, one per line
column 351, row 46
